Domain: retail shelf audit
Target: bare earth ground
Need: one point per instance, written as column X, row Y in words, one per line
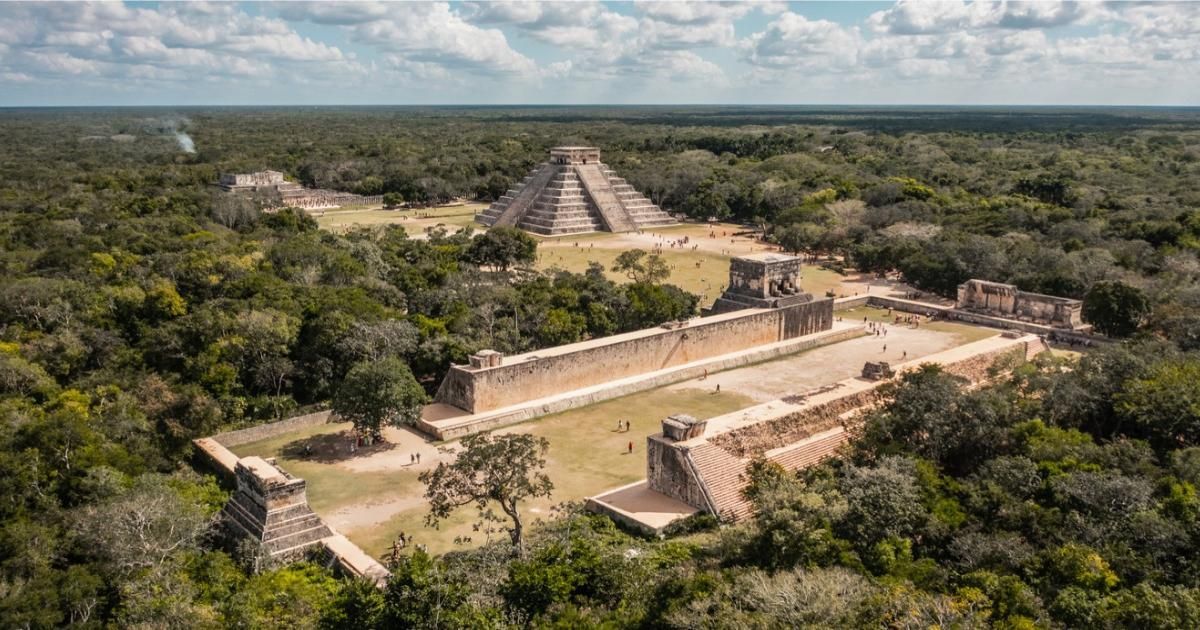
column 373, row 495
column 700, row 266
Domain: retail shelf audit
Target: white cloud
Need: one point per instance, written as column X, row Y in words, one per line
column 794, row 42
column 914, row 17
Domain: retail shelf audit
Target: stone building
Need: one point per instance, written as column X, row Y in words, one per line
column 574, row 192
column 245, row 182
column 768, row 280
column 1005, row 300
column 291, row 194
column 270, row 507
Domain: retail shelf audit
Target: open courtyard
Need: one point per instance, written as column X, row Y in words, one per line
column 373, row 494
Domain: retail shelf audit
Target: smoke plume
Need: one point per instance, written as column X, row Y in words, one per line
column 185, row 142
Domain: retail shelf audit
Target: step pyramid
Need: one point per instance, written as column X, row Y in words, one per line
column 572, row 193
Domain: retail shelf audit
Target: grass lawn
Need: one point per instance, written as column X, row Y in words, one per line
column 415, row 221
column 587, row 455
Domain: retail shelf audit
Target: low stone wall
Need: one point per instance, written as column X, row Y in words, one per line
column 758, row 438
column 271, row 429
column 846, row 303
column 590, row 396
column 537, row 375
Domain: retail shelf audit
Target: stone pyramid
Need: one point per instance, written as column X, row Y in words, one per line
column 574, row 192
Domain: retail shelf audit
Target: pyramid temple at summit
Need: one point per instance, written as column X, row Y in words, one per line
column 574, row 192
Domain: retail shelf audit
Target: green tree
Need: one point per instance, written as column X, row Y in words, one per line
column 502, row 247
column 379, row 393
column 1115, row 309
column 491, row 469
column 1164, row 404
column 392, row 199
column 642, row 267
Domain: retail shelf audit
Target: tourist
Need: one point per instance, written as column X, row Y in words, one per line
column 418, row 458
column 718, row 388
column 885, row 347
column 631, row 446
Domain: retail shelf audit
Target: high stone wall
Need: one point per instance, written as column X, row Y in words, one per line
column 528, row 377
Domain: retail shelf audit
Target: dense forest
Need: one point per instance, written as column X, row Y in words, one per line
column 140, row 308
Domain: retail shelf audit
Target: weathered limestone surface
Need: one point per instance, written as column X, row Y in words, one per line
column 291, row 194
column 564, row 368
column 1005, row 300
column 271, row 507
column 572, row 193
column 708, row 471
column 457, row 427
column 765, row 280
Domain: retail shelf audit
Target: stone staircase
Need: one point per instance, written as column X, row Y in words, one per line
column 560, row 199
column 723, row 477
column 810, row 451
column 612, row 211
column 643, row 211
column 509, row 209
column 562, row 208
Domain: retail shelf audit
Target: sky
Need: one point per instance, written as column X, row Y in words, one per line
column 497, row 53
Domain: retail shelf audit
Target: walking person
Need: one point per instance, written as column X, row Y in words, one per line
column 630, row 447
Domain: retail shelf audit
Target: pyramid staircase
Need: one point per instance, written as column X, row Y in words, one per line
column 574, row 197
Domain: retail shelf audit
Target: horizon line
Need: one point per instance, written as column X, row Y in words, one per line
column 627, row 105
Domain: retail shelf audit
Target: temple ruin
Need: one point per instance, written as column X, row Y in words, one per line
column 574, row 192
column 270, row 507
column 766, row 280
column 1005, row 300
column 291, row 194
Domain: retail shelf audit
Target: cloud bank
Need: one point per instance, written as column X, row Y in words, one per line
column 931, row 51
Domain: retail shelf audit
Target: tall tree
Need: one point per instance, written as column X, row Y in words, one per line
column 491, row 469
column 1115, row 308
column 378, row 393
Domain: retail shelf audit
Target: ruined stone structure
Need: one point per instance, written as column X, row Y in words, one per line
column 766, row 280
column 242, row 182
column 574, row 192
column 703, row 464
column 491, row 381
column 271, row 507
column 1005, row 300
column 877, row 370
column 291, row 194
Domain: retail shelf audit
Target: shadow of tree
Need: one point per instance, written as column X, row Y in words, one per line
column 330, row 448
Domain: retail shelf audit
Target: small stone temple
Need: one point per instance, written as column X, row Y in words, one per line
column 1005, row 300
column 271, row 507
column 767, row 280
column 574, row 192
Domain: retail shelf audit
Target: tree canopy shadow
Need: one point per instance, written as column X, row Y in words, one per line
column 330, row 448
